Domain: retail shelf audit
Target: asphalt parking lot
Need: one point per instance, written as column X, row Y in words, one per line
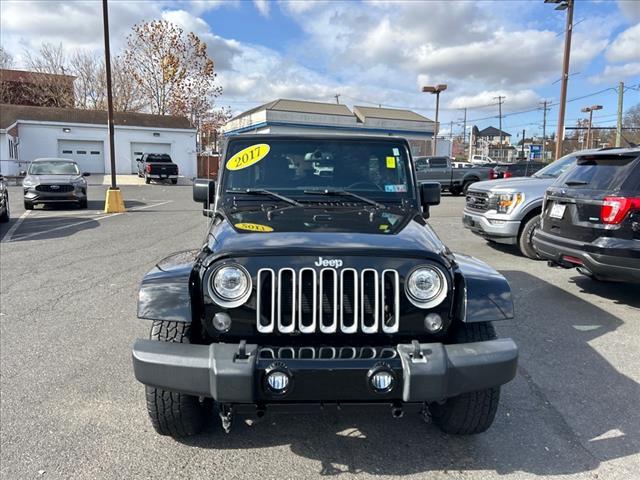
column 70, row 407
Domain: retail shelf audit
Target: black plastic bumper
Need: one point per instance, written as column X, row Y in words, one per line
column 606, row 258
column 437, row 372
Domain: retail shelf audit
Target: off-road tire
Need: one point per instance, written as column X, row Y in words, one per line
column 28, row 205
column 4, row 218
column 172, row 413
column 469, row 413
column 147, row 180
column 525, row 240
column 174, row 181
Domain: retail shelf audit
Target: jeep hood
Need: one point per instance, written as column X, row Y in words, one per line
column 321, row 231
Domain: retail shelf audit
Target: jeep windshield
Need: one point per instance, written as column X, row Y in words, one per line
column 306, row 169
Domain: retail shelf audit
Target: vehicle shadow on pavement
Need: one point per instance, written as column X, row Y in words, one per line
column 620, row 293
column 567, row 411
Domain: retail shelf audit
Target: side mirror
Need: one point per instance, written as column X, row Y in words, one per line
column 86, row 174
column 22, row 173
column 204, row 191
column 429, row 195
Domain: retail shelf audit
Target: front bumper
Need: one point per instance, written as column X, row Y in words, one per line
column 492, row 227
column 606, row 258
column 34, row 196
column 435, row 373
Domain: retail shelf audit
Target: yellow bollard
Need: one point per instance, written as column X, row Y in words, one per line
column 114, row 202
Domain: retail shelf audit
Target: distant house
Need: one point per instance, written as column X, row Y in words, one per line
column 28, row 132
column 297, row 116
column 19, row 87
column 494, row 136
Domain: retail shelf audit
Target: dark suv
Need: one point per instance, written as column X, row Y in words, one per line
column 320, row 284
column 518, row 169
column 591, row 217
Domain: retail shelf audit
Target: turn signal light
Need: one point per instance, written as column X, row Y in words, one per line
column 614, row 209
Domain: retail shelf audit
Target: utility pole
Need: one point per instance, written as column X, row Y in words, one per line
column 522, row 150
column 619, row 126
column 500, row 99
column 337, row 97
column 545, row 109
column 464, row 132
column 113, row 202
column 568, row 6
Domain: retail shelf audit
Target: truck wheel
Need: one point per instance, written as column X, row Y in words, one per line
column 525, row 240
column 147, row 180
column 28, row 205
column 173, row 413
column 466, row 186
column 174, row 181
column 473, row 412
column 455, row 191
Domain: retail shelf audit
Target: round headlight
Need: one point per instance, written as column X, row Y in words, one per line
column 230, row 285
column 426, row 287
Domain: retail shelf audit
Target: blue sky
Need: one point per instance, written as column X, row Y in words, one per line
column 380, row 52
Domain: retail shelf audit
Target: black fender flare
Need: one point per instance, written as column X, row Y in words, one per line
column 483, row 294
column 165, row 292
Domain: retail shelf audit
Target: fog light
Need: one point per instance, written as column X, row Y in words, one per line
column 222, row 322
column 278, row 381
column 381, row 379
column 433, row 322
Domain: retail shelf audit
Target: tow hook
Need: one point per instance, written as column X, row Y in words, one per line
column 226, row 416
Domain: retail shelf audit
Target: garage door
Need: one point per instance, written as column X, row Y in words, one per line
column 89, row 155
column 138, row 148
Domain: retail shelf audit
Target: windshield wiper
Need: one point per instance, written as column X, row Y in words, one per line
column 268, row 193
column 571, row 183
column 346, row 194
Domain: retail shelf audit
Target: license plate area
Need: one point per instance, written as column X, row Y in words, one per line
column 557, row 210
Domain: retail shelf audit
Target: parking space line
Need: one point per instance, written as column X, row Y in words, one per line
column 92, row 219
column 14, row 227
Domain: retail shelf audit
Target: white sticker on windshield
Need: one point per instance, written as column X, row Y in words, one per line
column 395, row 188
column 396, row 152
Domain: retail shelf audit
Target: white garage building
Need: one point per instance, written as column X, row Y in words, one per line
column 28, row 132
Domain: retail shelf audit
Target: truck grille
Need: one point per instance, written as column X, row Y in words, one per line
column 54, row 188
column 328, row 300
column 480, row 201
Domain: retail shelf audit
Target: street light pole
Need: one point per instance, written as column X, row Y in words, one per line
column 590, row 110
column 435, row 89
column 563, row 5
column 113, row 202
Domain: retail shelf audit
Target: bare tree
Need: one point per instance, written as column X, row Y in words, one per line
column 127, row 96
column 89, row 84
column 6, row 60
column 173, row 70
column 50, row 82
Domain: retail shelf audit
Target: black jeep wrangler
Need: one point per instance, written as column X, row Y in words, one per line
column 321, row 285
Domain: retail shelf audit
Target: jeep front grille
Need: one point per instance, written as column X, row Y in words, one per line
column 328, row 300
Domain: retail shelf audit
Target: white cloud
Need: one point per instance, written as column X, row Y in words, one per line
column 630, row 9
column 616, row 73
column 626, row 47
column 487, row 100
column 263, row 7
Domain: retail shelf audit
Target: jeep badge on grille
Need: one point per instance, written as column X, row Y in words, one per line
column 323, row 262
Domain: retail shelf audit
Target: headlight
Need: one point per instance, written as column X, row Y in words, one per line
column 426, row 287
column 230, row 286
column 79, row 181
column 507, row 202
column 27, row 182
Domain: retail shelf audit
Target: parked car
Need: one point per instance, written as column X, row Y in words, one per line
column 4, row 201
column 591, row 217
column 157, row 166
column 54, row 180
column 461, row 164
column 482, row 160
column 320, row 290
column 455, row 180
column 508, row 210
column 518, row 169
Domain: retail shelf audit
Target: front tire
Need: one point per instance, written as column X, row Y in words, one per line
column 172, row 413
column 174, row 181
column 525, row 240
column 147, row 180
column 474, row 412
column 455, row 191
column 28, row 205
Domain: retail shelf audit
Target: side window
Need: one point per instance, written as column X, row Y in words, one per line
column 421, row 165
